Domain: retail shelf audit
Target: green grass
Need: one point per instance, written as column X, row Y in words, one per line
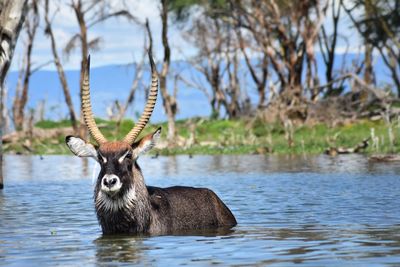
column 47, row 124
column 234, row 137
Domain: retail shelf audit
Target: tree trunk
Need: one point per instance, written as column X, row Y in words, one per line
column 368, row 72
column 11, row 18
column 135, row 85
column 80, row 16
column 31, row 25
column 169, row 101
column 60, row 70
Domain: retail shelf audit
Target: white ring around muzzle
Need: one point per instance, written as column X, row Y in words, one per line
column 110, row 183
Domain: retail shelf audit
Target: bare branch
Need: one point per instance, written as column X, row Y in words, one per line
column 94, row 44
column 60, row 69
column 121, row 13
column 72, row 44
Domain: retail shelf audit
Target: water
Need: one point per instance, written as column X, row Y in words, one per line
column 315, row 211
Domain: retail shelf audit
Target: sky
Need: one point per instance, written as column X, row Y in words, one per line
column 123, row 41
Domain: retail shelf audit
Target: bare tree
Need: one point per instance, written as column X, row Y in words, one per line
column 234, row 103
column 135, row 84
column 259, row 77
column 88, row 14
column 169, row 101
column 310, row 34
column 368, row 70
column 379, row 27
column 208, row 37
column 327, row 43
column 285, row 31
column 11, row 18
column 60, row 69
column 218, row 62
column 21, row 92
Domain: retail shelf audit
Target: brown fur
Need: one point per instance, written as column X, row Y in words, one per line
column 140, row 209
column 114, row 147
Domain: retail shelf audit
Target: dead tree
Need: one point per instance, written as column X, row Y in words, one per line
column 207, row 36
column 169, row 100
column 234, row 107
column 60, row 69
column 218, row 62
column 327, row 43
column 310, row 34
column 285, row 32
column 12, row 17
column 259, row 77
column 368, row 69
column 135, row 84
column 88, row 14
column 379, row 27
column 21, row 95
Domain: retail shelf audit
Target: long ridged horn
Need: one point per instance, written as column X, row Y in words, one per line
column 86, row 107
column 148, row 109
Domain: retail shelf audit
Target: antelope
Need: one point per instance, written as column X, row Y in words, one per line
column 123, row 202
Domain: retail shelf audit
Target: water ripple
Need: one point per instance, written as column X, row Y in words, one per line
column 315, row 211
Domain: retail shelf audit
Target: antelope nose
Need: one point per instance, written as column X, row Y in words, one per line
column 110, row 181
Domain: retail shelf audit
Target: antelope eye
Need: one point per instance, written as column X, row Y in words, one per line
column 128, row 156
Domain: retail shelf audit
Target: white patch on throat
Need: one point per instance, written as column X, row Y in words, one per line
column 107, row 203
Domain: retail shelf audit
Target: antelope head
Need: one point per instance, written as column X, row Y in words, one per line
column 116, row 158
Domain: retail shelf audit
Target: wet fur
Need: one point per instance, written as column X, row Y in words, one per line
column 141, row 209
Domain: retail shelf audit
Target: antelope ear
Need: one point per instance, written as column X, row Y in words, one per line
column 146, row 143
column 80, row 148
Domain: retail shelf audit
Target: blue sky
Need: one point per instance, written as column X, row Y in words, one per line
column 122, row 42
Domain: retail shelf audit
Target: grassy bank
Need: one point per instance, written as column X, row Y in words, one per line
column 201, row 136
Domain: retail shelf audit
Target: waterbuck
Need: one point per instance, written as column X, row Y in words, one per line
column 124, row 204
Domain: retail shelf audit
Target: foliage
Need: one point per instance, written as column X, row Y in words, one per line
column 182, row 8
column 49, row 124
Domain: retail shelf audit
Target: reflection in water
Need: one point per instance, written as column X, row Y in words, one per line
column 317, row 211
column 222, row 231
column 85, row 167
column 119, row 249
column 130, row 249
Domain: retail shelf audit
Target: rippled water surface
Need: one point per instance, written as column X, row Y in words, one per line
column 314, row 211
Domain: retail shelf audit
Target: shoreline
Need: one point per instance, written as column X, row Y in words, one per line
column 229, row 137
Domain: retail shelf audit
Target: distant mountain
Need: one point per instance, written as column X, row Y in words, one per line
column 110, row 83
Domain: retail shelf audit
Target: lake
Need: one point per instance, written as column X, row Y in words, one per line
column 308, row 211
